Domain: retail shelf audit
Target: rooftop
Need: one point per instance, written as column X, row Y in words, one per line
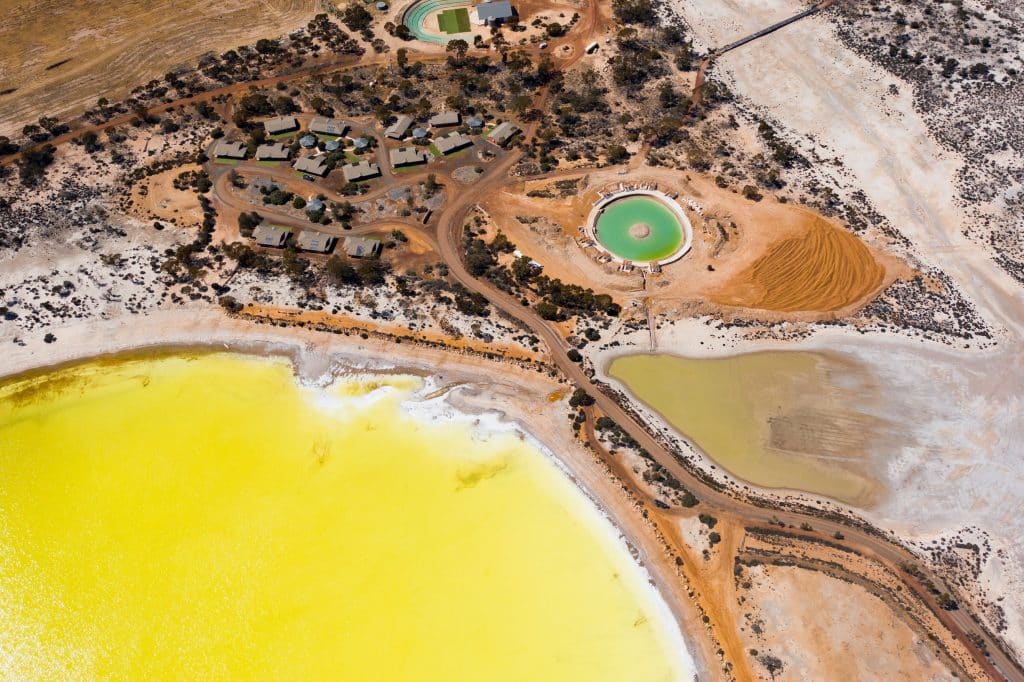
column 274, row 151
column 311, row 164
column 499, row 9
column 361, row 247
column 230, row 150
column 318, row 242
column 362, row 170
column 281, row 124
column 445, row 118
column 407, row 156
column 271, row 235
column 399, row 128
column 452, row 142
column 328, row 126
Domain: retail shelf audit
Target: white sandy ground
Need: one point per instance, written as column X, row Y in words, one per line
column 962, row 407
column 455, row 388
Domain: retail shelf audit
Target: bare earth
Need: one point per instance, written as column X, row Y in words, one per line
column 109, row 48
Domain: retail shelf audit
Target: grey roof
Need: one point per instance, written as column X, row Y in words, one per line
column 503, row 133
column 308, row 141
column 361, row 143
column 311, row 164
column 419, row 133
column 399, row 128
column 475, row 122
column 452, row 142
column 272, row 152
column 382, row 5
column 328, row 126
column 407, row 156
column 281, row 124
column 318, row 242
column 500, row 9
column 271, row 235
column 314, row 205
column 445, row 118
column 360, row 171
column 332, row 145
column 229, row 150
column 361, row 247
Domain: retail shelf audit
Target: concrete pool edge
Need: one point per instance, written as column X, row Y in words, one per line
column 590, row 227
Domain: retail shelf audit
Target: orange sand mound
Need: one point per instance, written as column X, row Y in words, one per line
column 823, row 270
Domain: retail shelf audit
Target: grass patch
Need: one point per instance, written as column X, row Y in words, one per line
column 435, row 151
column 452, row 21
column 352, row 158
column 272, row 164
column 283, row 136
column 227, row 162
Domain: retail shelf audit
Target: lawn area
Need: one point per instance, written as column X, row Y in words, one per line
column 452, row 21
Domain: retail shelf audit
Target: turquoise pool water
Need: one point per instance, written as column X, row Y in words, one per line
column 639, row 229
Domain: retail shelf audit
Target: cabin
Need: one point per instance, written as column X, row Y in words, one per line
column 280, row 125
column 315, row 242
column 273, row 236
column 361, row 247
column 503, row 133
column 407, row 156
column 272, row 152
column 314, row 165
column 400, row 128
column 445, row 119
column 229, row 150
column 363, row 170
column 322, row 125
column 452, row 142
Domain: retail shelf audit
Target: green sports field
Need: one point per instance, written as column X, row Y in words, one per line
column 454, row 20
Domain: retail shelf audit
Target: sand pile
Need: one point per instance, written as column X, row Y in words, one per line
column 822, row 270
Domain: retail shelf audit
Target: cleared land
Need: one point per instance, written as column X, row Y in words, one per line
column 60, row 57
column 824, row 268
column 454, row 20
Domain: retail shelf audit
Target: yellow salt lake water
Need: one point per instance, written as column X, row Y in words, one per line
column 206, row 517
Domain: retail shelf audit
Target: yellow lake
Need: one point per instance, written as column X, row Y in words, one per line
column 208, row 517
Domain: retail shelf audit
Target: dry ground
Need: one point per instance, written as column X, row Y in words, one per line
column 764, row 258
column 60, row 57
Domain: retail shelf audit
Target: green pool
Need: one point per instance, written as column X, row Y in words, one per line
column 639, row 229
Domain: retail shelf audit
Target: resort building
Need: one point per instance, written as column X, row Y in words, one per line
column 308, row 141
column 328, row 126
column 492, row 13
column 361, row 247
column 316, row 242
column 503, row 133
column 229, row 150
column 363, row 170
column 272, row 152
column 400, row 128
column 332, row 145
column 445, row 119
column 273, row 236
column 281, row 124
column 475, row 122
column 407, row 156
column 452, row 142
column 420, row 133
column 314, row 165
